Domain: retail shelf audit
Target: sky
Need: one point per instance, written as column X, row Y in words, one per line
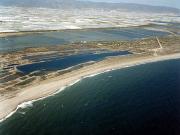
column 169, row 3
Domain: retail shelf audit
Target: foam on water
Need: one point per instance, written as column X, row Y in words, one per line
column 23, row 113
column 23, row 106
column 74, row 82
column 9, row 115
column 30, row 103
column 26, row 104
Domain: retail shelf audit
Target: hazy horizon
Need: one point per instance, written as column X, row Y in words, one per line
column 166, row 3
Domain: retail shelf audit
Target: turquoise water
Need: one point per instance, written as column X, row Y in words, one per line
column 68, row 36
column 140, row 100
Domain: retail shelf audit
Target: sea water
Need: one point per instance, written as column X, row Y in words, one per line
column 139, row 100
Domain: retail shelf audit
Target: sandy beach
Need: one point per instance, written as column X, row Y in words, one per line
column 54, row 85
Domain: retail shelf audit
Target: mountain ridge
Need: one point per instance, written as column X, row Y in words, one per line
column 71, row 4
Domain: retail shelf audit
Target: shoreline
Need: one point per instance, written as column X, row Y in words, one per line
column 50, row 87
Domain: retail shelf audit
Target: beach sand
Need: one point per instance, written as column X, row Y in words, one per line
column 51, row 86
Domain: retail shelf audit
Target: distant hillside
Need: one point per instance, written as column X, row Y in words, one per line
column 79, row 4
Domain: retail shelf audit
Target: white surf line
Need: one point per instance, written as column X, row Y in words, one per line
column 84, row 77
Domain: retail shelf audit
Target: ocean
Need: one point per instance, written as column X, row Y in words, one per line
column 139, row 100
